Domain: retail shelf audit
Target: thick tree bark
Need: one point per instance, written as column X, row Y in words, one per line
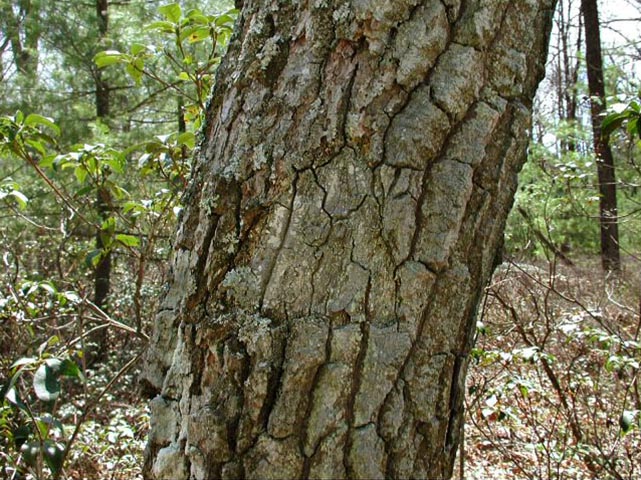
column 608, row 217
column 346, row 210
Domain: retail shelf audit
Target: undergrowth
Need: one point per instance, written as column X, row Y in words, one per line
column 553, row 386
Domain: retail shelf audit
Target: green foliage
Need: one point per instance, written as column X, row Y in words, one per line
column 194, row 43
column 11, row 190
column 623, row 114
column 34, row 391
column 558, row 190
column 61, row 171
column 557, row 194
column 21, row 135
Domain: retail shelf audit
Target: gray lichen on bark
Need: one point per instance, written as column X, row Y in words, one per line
column 346, row 208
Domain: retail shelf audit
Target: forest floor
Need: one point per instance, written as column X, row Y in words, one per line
column 552, row 387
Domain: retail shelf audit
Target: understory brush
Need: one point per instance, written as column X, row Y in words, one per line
column 553, row 386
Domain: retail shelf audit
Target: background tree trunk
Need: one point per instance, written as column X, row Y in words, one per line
column 608, row 218
column 567, row 65
column 346, row 210
column 22, row 31
column 102, row 273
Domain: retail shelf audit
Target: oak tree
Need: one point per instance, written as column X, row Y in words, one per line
column 346, row 210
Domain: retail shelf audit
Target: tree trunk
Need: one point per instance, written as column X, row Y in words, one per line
column 23, row 33
column 608, row 216
column 568, row 65
column 102, row 273
column 346, row 211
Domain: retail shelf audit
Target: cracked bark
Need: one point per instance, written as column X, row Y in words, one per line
column 349, row 197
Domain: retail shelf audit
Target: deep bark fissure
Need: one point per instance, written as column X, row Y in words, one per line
column 194, row 300
column 308, row 407
column 357, row 374
column 283, row 239
column 274, row 385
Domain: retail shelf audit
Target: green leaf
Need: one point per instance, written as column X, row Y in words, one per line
column 128, row 240
column 81, row 173
column 43, row 425
column 196, row 34
column 626, row 421
column 226, row 19
column 13, row 397
column 18, row 117
column 133, row 206
column 23, row 361
column 524, row 390
column 93, row 258
column 46, row 384
column 109, row 225
column 137, row 48
column 200, row 35
column 36, row 145
column 171, row 12
column 84, row 190
column 48, row 161
column 633, row 125
column 116, row 163
column 34, row 120
column 108, row 57
column 611, row 123
column 106, row 237
column 54, row 455
column 50, row 423
column 187, row 139
column 197, row 16
column 135, row 69
column 71, row 296
column 162, row 26
column 118, row 191
column 20, row 197
column 69, row 368
column 21, row 435
column 612, row 363
column 30, row 452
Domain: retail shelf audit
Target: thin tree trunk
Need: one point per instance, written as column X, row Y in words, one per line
column 23, row 34
column 346, row 211
column 570, row 74
column 608, row 218
column 102, row 273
